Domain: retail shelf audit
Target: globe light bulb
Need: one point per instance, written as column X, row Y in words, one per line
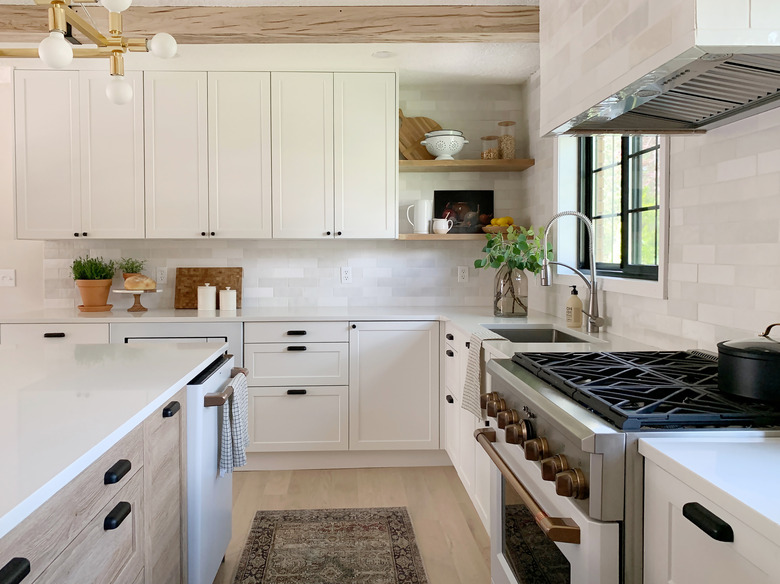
column 116, row 5
column 55, row 51
column 119, row 90
column 162, row 45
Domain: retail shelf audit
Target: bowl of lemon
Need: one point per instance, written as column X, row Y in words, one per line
column 498, row 225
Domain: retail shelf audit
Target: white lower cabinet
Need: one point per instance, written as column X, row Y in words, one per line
column 394, row 386
column 678, row 551
column 290, row 419
column 273, row 364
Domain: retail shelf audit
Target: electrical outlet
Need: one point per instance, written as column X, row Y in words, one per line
column 346, row 275
column 463, row 274
column 8, row 277
column 162, row 275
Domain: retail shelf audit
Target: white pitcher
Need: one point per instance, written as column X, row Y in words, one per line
column 423, row 213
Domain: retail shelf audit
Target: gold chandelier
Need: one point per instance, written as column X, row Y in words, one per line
column 56, row 52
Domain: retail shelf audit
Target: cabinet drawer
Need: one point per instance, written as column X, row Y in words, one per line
column 294, row 332
column 49, row 529
column 103, row 555
column 54, row 333
column 316, row 420
column 276, row 364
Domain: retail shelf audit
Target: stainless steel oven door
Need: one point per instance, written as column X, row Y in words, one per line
column 538, row 536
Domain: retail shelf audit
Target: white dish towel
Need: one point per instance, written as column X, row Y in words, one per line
column 474, row 383
column 234, row 434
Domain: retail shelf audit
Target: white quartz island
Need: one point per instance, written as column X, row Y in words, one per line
column 62, row 406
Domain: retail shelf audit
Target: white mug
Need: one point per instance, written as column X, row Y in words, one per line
column 442, row 225
column 423, row 212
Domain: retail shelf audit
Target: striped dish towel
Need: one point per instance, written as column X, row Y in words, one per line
column 234, row 434
column 474, row 384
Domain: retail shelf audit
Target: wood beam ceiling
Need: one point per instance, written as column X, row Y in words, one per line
column 301, row 24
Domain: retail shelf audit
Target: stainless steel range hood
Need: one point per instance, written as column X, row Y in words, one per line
column 693, row 93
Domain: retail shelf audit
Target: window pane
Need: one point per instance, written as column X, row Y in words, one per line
column 643, row 238
column 606, row 151
column 607, row 235
column 606, row 191
column 643, row 180
column 649, row 142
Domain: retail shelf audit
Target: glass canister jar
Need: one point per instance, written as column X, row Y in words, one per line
column 506, row 141
column 489, row 148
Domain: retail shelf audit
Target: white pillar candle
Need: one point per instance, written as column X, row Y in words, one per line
column 227, row 299
column 207, row 297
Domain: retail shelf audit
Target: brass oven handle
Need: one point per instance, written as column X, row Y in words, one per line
column 211, row 400
column 561, row 529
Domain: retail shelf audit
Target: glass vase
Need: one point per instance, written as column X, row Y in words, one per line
column 510, row 297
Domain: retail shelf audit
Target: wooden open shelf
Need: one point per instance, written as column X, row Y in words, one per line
column 517, row 165
column 443, row 236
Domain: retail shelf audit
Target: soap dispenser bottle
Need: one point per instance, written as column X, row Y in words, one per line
column 574, row 309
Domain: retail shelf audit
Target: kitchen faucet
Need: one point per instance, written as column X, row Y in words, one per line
column 594, row 320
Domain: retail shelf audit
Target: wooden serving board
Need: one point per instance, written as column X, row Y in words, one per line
column 188, row 280
column 411, row 133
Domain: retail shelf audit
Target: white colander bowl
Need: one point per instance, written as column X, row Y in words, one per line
column 443, row 147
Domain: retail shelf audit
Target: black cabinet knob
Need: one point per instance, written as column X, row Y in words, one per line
column 450, row 399
column 468, row 344
column 354, row 326
column 449, row 337
column 84, row 234
column 203, row 233
column 449, row 353
column 338, row 233
column 75, row 235
column 170, row 410
column 14, row 571
column 117, row 515
column 212, row 233
column 327, row 233
column 117, row 472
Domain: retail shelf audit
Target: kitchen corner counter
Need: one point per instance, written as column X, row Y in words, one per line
column 724, row 469
column 63, row 406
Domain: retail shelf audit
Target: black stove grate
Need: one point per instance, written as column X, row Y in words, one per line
column 648, row 388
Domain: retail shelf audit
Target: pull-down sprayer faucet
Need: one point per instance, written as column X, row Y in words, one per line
column 594, row 320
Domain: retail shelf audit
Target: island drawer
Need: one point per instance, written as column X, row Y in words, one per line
column 43, row 535
column 93, row 333
column 297, row 363
column 293, row 332
column 110, row 547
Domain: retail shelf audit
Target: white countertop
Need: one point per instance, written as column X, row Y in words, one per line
column 63, row 406
column 734, row 473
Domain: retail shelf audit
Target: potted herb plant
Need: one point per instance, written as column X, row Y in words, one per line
column 93, row 277
column 130, row 267
column 518, row 251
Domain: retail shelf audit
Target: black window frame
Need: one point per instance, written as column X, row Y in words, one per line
column 585, row 170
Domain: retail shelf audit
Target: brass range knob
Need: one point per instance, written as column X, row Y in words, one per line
column 495, row 406
column 536, row 449
column 484, row 398
column 553, row 465
column 507, row 417
column 571, row 483
column 520, row 432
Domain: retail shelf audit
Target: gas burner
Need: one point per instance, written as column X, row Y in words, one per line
column 648, row 388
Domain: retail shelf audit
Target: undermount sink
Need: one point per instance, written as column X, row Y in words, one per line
column 524, row 334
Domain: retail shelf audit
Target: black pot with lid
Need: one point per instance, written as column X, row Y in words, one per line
column 751, row 367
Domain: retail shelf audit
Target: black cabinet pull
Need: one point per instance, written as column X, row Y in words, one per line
column 115, row 473
column 296, row 392
column 449, row 337
column 14, row 571
column 449, row 353
column 53, row 335
column 296, row 333
column 708, row 522
column 170, row 410
column 450, row 399
column 468, row 344
column 117, row 516
column 296, row 348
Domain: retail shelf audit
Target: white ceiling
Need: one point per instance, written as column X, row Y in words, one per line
column 417, row 63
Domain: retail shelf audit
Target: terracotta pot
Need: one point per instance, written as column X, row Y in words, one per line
column 126, row 275
column 94, row 292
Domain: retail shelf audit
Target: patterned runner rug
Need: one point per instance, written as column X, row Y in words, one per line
column 331, row 546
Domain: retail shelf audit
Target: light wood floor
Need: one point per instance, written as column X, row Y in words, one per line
column 454, row 545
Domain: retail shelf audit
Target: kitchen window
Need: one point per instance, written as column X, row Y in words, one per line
column 619, row 190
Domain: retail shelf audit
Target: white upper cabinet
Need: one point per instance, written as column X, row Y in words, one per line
column 240, row 155
column 176, row 137
column 365, row 154
column 79, row 157
column 302, row 154
column 334, row 155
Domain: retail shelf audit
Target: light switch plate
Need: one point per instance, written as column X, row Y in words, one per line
column 8, row 277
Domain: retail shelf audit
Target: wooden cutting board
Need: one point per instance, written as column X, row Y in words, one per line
column 188, row 280
column 411, row 133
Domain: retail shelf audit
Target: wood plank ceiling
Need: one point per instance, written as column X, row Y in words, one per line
column 300, row 24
